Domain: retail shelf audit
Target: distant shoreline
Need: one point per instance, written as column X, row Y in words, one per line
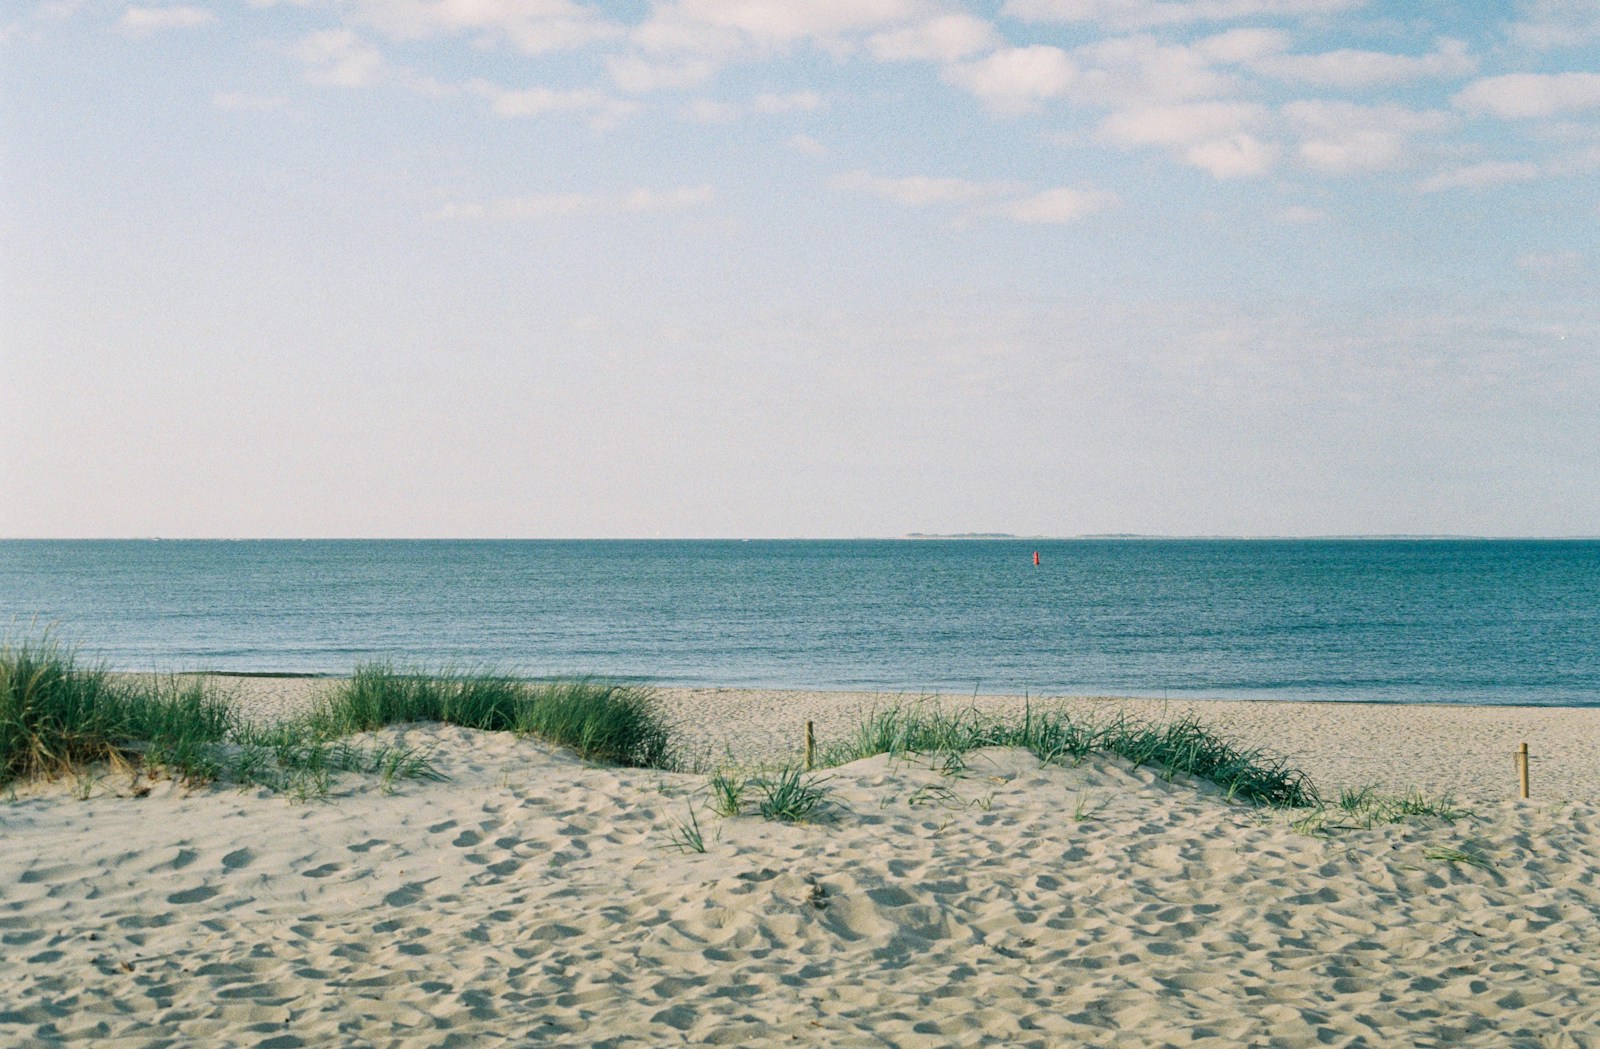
column 908, row 536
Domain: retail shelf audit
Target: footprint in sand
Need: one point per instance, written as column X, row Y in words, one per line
column 198, row 894
column 406, row 894
column 238, row 859
column 37, row 875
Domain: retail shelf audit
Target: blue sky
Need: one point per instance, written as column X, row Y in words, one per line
column 764, row 268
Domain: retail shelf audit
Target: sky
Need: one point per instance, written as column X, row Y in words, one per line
column 765, row 268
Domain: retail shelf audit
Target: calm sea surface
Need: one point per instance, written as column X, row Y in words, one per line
column 1451, row 621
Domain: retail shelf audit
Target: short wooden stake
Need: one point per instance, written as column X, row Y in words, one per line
column 1522, row 768
column 811, row 747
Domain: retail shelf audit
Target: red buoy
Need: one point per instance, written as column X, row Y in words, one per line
column 1036, row 559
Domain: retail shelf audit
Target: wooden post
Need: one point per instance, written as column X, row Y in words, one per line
column 1522, row 768
column 811, row 747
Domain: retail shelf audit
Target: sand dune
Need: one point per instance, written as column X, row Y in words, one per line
column 1459, row 750
column 534, row 900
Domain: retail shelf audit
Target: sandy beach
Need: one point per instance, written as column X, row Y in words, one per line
column 532, row 899
column 1464, row 751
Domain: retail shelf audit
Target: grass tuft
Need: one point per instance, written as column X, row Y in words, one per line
column 60, row 718
column 933, row 794
column 1450, row 854
column 727, row 793
column 1366, row 808
column 603, row 722
column 1183, row 747
column 789, row 795
column 685, row 835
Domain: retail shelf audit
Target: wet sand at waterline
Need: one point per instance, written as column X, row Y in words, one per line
column 532, row 899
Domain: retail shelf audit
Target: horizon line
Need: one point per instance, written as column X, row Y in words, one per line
column 907, row 536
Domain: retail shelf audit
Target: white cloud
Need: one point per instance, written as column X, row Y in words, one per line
column 1143, row 14
column 717, row 26
column 1236, row 156
column 921, row 191
column 1343, row 137
column 1016, row 79
column 1207, row 135
column 141, row 21
column 531, row 26
column 1365, row 150
column 638, row 76
column 1242, row 45
column 1581, row 161
column 1549, row 24
column 340, row 58
column 1138, row 70
column 1180, row 124
column 671, row 31
column 1056, row 206
column 510, row 103
column 1474, row 176
column 711, row 111
column 564, row 205
column 1012, row 200
column 1526, row 95
column 946, row 38
column 1351, row 69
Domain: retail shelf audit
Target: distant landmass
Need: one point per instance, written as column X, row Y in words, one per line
column 1148, row 536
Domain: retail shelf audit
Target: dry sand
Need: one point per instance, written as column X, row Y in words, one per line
column 535, row 900
column 1466, row 752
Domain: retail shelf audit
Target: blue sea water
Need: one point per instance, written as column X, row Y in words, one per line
column 1414, row 621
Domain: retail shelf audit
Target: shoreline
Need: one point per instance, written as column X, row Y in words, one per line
column 1197, row 697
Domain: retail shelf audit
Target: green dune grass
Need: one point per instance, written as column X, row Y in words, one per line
column 60, row 717
column 1184, row 746
column 600, row 721
column 57, row 716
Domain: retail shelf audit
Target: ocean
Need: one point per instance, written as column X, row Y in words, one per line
column 1405, row 621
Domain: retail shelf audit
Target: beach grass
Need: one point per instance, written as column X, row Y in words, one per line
column 600, row 721
column 60, row 717
column 1368, row 807
column 727, row 792
column 784, row 794
column 686, row 836
column 789, row 795
column 1180, row 747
